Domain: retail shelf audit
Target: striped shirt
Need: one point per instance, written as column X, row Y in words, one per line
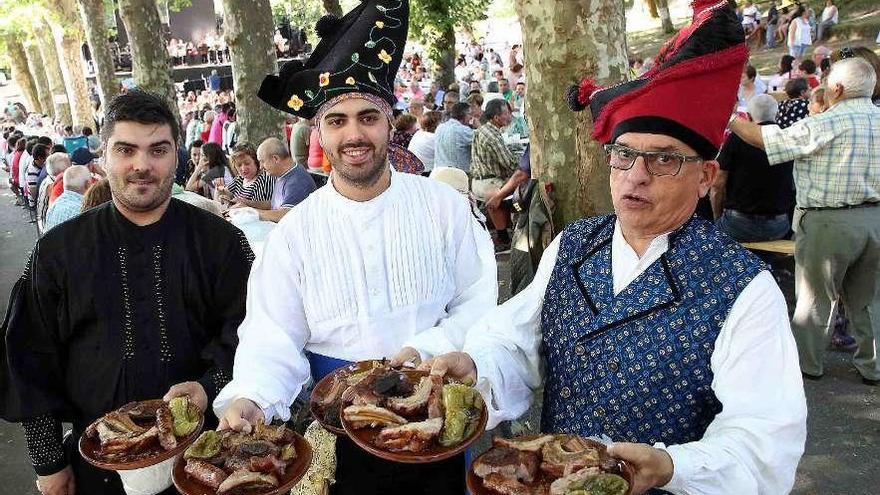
column 260, row 189
column 67, row 206
column 836, row 154
column 490, row 157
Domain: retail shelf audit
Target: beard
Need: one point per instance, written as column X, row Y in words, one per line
column 141, row 198
column 364, row 176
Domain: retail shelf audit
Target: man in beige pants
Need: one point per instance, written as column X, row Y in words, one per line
column 837, row 249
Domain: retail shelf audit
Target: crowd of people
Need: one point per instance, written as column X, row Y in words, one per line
column 794, row 24
column 238, row 273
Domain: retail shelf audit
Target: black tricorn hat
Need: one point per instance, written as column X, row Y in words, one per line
column 359, row 52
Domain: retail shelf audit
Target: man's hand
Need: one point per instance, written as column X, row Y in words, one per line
column 495, row 201
column 653, row 467
column 241, row 416
column 407, row 355
column 60, row 483
column 456, row 365
column 194, row 390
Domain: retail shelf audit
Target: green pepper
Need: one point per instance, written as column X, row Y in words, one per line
column 463, row 406
column 600, row 484
column 288, row 452
column 186, row 419
column 205, row 447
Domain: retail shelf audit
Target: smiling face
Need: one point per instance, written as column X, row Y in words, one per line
column 648, row 205
column 355, row 135
column 141, row 160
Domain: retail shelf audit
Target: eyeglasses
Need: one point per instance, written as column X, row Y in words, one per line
column 658, row 163
column 846, row 52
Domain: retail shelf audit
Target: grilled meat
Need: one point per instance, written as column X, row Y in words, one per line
column 375, row 388
column 510, row 463
column 114, row 425
column 533, row 445
column 366, row 416
column 411, row 437
column 268, row 464
column 567, row 454
column 503, row 485
column 435, row 401
column 205, row 473
column 165, row 425
column 334, row 393
column 240, row 456
column 274, row 434
column 242, row 481
column 130, row 444
column 414, row 404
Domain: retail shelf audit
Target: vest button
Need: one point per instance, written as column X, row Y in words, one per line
column 613, row 366
column 580, row 350
column 565, row 392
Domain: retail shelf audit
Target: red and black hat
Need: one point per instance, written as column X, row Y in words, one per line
column 688, row 94
column 358, row 53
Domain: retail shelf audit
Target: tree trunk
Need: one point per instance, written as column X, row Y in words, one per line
column 332, row 7
column 22, row 75
column 92, row 14
column 68, row 40
column 38, row 71
column 444, row 58
column 565, row 41
column 149, row 57
column 652, row 8
column 665, row 19
column 60, row 99
column 248, row 31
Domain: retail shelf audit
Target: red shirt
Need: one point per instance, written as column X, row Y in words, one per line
column 57, row 188
column 16, row 159
column 812, row 81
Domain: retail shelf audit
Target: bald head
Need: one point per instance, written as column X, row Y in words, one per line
column 274, row 157
column 57, row 163
column 76, row 178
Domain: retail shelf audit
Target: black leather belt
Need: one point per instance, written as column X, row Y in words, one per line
column 867, row 204
column 485, row 177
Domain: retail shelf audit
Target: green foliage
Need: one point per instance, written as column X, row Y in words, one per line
column 177, row 5
column 301, row 13
column 430, row 20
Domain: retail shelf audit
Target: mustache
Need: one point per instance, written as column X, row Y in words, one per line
column 356, row 144
column 147, row 176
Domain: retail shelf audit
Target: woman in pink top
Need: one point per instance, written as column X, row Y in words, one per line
column 316, row 153
column 216, row 135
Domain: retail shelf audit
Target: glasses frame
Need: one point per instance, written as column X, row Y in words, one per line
column 646, row 155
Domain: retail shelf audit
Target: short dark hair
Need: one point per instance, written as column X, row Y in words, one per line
column 808, row 66
column 460, row 111
column 59, row 148
column 87, row 131
column 40, row 152
column 495, row 108
column 142, row 107
column 215, row 156
column 68, row 128
column 795, row 88
column 198, row 143
column 46, row 140
column 751, row 73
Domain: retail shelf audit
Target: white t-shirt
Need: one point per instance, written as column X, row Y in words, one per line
column 422, row 145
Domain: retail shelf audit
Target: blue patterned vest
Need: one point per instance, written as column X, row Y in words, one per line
column 636, row 366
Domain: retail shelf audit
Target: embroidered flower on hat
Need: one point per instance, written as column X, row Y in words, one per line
column 350, row 81
column 324, row 79
column 295, row 103
column 383, row 56
column 380, row 24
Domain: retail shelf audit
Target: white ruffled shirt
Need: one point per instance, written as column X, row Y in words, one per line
column 360, row 280
column 752, row 447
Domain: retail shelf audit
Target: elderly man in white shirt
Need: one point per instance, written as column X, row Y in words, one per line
column 649, row 326
column 372, row 262
column 56, row 164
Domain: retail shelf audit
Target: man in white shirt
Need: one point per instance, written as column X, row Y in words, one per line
column 655, row 329
column 373, row 262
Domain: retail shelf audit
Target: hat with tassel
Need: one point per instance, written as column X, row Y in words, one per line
column 688, row 94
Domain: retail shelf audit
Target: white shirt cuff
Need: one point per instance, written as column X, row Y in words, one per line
column 682, row 468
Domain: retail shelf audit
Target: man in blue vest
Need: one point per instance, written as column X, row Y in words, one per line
column 649, row 326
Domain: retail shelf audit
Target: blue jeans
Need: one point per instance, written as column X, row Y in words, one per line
column 748, row 228
column 770, row 36
column 797, row 51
